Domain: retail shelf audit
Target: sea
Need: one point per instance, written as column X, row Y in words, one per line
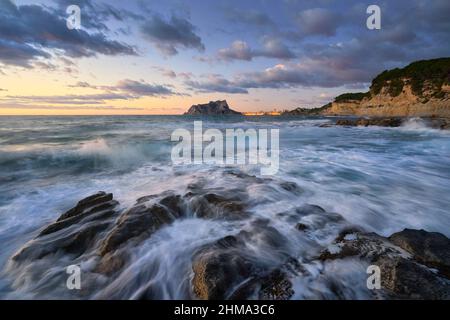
column 379, row 179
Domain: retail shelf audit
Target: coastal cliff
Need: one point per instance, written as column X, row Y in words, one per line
column 422, row 89
column 212, row 108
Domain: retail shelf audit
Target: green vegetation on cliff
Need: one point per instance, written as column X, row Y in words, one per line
column 358, row 96
column 431, row 73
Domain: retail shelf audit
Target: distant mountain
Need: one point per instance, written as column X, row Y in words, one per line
column 212, row 108
column 421, row 89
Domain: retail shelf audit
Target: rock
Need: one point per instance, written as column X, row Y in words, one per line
column 212, row 205
column 111, row 263
column 139, row 223
column 405, row 279
column 291, row 187
column 212, row 108
column 218, row 268
column 301, row 227
column 364, row 122
column 276, row 286
column 87, row 220
column 352, row 242
column 89, row 202
column 430, row 248
column 98, row 206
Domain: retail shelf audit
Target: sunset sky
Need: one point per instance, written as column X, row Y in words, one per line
column 160, row 57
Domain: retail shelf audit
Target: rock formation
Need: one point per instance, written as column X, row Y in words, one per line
column 212, row 108
column 256, row 262
column 421, row 89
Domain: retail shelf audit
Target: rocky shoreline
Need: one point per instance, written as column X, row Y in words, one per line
column 414, row 264
column 394, row 122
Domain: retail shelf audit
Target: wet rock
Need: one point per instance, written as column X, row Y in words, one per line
column 77, row 242
column 291, row 187
column 212, row 205
column 404, row 260
column 87, row 203
column 111, row 263
column 406, row 279
column 79, row 228
column 139, row 223
column 100, row 203
column 276, row 286
column 301, row 227
column 430, row 248
column 351, row 243
column 218, row 268
column 363, row 122
column 272, row 285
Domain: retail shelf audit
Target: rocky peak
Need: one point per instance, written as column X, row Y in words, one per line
column 212, row 108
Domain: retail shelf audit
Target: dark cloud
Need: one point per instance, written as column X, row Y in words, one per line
column 215, row 83
column 141, row 88
column 65, row 107
column 29, row 32
column 169, row 73
column 96, row 13
column 251, row 17
column 318, row 21
column 240, row 50
column 88, row 99
column 171, row 35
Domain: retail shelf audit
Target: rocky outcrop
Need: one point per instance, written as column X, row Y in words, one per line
column 75, row 231
column 430, row 248
column 404, row 260
column 212, row 108
column 255, row 261
column 364, row 122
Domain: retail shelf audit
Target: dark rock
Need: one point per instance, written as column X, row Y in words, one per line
column 111, row 263
column 218, row 268
column 430, row 248
column 301, row 227
column 100, row 210
column 405, row 279
column 137, row 223
column 276, row 286
column 76, row 242
column 352, row 243
column 211, row 206
column 363, row 122
column 212, row 108
column 291, row 187
column 80, row 229
column 89, row 202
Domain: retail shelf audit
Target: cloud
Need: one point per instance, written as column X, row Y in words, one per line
column 29, row 32
column 240, row 50
column 123, row 90
column 215, row 83
column 82, row 84
column 141, row 88
column 318, row 21
column 47, row 107
column 171, row 35
column 68, row 99
column 251, row 17
column 169, row 73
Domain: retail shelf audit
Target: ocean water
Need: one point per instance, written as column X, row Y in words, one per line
column 381, row 179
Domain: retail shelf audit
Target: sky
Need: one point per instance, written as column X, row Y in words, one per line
column 161, row 57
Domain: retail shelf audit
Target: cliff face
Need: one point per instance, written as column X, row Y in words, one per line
column 421, row 89
column 212, row 108
column 407, row 103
